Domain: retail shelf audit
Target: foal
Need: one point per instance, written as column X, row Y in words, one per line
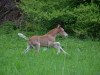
column 47, row 40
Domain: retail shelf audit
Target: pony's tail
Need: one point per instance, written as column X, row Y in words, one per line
column 22, row 36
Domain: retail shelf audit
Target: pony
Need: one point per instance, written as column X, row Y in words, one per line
column 46, row 40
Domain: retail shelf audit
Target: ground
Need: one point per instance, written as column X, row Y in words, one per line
column 84, row 57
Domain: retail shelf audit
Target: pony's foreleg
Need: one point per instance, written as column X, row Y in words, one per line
column 37, row 46
column 57, row 46
column 63, row 51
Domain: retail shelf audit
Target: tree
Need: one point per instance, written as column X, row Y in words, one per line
column 9, row 10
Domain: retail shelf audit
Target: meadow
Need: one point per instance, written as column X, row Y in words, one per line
column 84, row 57
column 79, row 18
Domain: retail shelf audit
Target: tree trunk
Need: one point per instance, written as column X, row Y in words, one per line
column 9, row 11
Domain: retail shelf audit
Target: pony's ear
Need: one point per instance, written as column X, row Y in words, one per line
column 58, row 26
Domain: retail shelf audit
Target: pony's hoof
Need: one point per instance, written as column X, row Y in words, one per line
column 67, row 54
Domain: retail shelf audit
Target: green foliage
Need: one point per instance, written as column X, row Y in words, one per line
column 79, row 17
column 7, row 28
column 88, row 21
column 76, row 3
column 67, row 21
column 97, row 2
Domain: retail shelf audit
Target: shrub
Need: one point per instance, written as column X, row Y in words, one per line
column 94, row 30
column 7, row 27
column 81, row 20
column 66, row 20
column 88, row 19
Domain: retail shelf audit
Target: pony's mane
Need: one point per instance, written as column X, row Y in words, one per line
column 51, row 31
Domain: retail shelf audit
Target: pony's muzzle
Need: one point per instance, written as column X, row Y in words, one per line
column 65, row 34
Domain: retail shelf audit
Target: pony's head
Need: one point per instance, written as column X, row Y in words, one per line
column 61, row 31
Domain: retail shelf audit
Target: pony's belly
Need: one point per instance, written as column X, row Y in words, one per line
column 42, row 40
column 46, row 43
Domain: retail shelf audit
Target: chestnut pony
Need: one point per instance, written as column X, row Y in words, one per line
column 47, row 40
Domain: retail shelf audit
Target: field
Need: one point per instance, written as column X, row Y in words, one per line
column 84, row 57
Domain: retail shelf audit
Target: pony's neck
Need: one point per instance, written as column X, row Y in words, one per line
column 53, row 32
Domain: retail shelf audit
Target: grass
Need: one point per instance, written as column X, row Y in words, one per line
column 84, row 58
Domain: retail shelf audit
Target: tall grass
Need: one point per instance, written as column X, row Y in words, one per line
column 84, row 57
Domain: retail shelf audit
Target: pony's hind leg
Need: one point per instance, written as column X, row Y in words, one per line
column 28, row 48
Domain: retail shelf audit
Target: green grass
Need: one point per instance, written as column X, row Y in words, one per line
column 84, row 58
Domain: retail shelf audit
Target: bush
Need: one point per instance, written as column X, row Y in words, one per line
column 88, row 19
column 76, row 3
column 66, row 20
column 80, row 21
column 94, row 30
column 7, row 27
